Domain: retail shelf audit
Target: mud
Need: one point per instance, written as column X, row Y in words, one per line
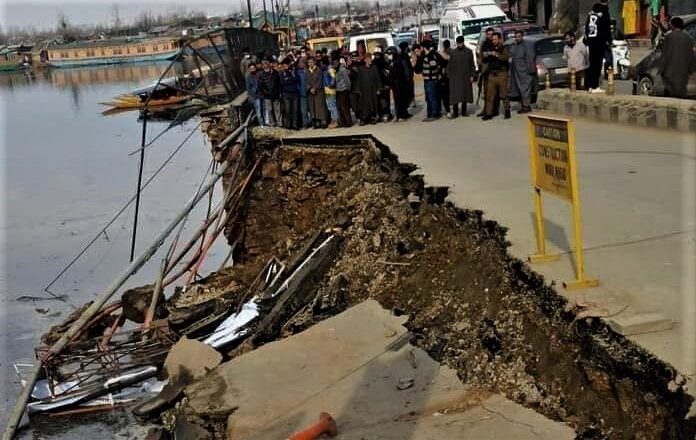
column 471, row 305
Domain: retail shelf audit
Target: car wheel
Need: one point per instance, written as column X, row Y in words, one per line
column 624, row 72
column 646, row 87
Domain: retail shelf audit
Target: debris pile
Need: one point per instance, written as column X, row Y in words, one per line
column 325, row 224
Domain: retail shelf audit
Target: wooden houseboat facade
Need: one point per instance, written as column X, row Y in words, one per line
column 111, row 52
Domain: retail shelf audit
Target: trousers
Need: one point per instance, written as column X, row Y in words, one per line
column 343, row 104
column 497, row 86
column 431, row 98
column 290, row 105
column 271, row 109
column 594, row 72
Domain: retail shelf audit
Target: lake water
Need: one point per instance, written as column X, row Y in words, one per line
column 67, row 172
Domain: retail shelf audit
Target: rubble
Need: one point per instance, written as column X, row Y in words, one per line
column 327, row 224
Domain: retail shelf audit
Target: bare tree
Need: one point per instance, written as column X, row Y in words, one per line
column 116, row 16
column 565, row 16
column 63, row 27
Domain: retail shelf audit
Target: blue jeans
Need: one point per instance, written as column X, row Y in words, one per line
column 431, row 98
column 258, row 110
column 304, row 110
column 331, row 105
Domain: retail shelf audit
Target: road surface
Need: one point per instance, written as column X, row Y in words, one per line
column 638, row 191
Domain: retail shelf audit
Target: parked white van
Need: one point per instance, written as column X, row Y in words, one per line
column 469, row 18
column 371, row 41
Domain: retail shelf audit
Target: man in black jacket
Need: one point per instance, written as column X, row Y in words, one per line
column 402, row 78
column 385, row 91
column 598, row 39
column 269, row 89
column 290, row 90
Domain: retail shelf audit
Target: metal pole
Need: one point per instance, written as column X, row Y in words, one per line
column 140, row 181
column 418, row 32
column 316, row 16
column 92, row 310
column 265, row 13
column 401, row 13
column 251, row 20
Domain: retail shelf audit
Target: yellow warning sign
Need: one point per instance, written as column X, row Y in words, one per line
column 552, row 157
column 553, row 166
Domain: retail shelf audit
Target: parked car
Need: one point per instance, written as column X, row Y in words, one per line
column 330, row 43
column 370, row 40
column 548, row 52
column 646, row 78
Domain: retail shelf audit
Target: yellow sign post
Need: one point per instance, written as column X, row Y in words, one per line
column 554, row 169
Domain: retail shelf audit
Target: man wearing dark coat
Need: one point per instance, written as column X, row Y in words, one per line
column 402, row 80
column 677, row 60
column 461, row 72
column 315, row 95
column 522, row 71
column 598, row 39
column 368, row 86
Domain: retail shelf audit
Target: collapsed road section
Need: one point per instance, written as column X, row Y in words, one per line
column 317, row 226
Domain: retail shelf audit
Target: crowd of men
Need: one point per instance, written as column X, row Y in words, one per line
column 302, row 88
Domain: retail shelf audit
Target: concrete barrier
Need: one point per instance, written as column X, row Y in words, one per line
column 642, row 111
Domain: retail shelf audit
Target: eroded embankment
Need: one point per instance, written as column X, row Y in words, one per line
column 471, row 305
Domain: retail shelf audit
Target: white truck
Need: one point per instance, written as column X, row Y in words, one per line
column 469, row 18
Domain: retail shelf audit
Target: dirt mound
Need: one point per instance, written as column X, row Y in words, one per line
column 471, row 305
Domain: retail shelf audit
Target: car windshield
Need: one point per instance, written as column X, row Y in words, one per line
column 329, row 45
column 474, row 27
column 372, row 44
column 550, row 46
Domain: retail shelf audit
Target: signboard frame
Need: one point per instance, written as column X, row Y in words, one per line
column 554, row 169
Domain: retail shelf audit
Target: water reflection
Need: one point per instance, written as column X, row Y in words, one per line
column 122, row 73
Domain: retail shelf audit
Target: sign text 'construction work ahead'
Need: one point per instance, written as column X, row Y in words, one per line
column 552, row 156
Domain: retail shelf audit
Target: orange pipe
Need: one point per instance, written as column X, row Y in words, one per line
column 325, row 425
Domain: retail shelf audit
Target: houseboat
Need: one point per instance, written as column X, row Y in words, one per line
column 15, row 57
column 111, row 51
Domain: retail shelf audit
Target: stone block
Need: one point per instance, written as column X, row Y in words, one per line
column 640, row 324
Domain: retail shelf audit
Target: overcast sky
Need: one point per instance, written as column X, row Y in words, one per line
column 43, row 14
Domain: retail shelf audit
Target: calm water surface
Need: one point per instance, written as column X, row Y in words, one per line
column 67, row 172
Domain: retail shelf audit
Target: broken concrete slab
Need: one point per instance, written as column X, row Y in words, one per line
column 640, row 324
column 350, row 366
column 187, row 361
column 190, row 358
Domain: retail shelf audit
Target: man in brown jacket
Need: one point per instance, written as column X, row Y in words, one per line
column 497, row 61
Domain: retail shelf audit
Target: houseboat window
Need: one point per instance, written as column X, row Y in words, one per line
column 141, row 49
column 76, row 54
column 165, row 46
column 155, row 48
column 103, row 52
column 117, row 51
